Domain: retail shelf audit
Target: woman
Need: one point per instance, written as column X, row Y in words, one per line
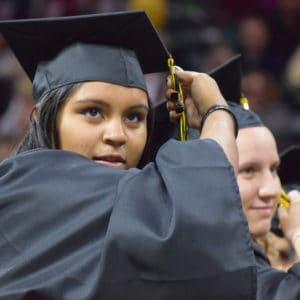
column 77, row 219
column 260, row 187
column 258, row 184
column 258, row 180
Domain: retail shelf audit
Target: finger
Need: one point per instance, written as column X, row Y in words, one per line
column 171, row 106
column 168, row 94
column 178, row 68
column 169, row 82
column 174, row 116
column 178, row 107
column 186, row 76
column 294, row 195
column 172, row 96
column 282, row 213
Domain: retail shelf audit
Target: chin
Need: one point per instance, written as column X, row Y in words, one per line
column 260, row 231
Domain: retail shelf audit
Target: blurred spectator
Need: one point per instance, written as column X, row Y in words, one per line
column 285, row 33
column 216, row 55
column 228, row 11
column 158, row 13
column 86, row 6
column 266, row 98
column 44, row 8
column 262, row 89
column 253, row 41
column 292, row 79
column 15, row 119
column 292, row 74
column 9, row 67
column 108, row 5
column 187, row 24
column 7, row 9
column 156, row 10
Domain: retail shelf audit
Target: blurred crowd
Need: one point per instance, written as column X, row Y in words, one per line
column 200, row 35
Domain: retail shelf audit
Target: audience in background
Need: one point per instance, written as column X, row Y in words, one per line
column 200, row 35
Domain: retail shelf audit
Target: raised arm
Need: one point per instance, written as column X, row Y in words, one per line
column 203, row 99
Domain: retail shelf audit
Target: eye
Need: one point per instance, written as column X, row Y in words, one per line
column 247, row 172
column 135, row 117
column 92, row 112
column 274, row 169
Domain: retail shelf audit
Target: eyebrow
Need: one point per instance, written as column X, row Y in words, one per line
column 90, row 100
column 104, row 103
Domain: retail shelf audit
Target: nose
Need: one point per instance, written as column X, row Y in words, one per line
column 115, row 133
column 269, row 189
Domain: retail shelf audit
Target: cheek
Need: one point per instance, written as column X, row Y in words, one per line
column 74, row 136
column 278, row 191
column 247, row 192
column 137, row 144
column 139, row 141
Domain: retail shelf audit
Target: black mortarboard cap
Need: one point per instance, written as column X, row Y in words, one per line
column 58, row 51
column 229, row 79
column 289, row 171
column 289, row 174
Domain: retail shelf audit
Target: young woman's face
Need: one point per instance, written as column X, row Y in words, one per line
column 257, row 178
column 106, row 123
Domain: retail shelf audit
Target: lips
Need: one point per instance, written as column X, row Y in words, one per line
column 111, row 160
column 265, row 211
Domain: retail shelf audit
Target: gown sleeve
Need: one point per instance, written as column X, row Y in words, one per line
column 73, row 229
column 273, row 284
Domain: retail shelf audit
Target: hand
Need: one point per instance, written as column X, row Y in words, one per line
column 290, row 218
column 200, row 91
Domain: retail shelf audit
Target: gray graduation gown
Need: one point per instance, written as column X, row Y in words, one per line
column 74, row 229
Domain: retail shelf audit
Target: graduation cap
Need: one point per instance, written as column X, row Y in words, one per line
column 289, row 174
column 289, row 171
column 114, row 47
column 229, row 78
